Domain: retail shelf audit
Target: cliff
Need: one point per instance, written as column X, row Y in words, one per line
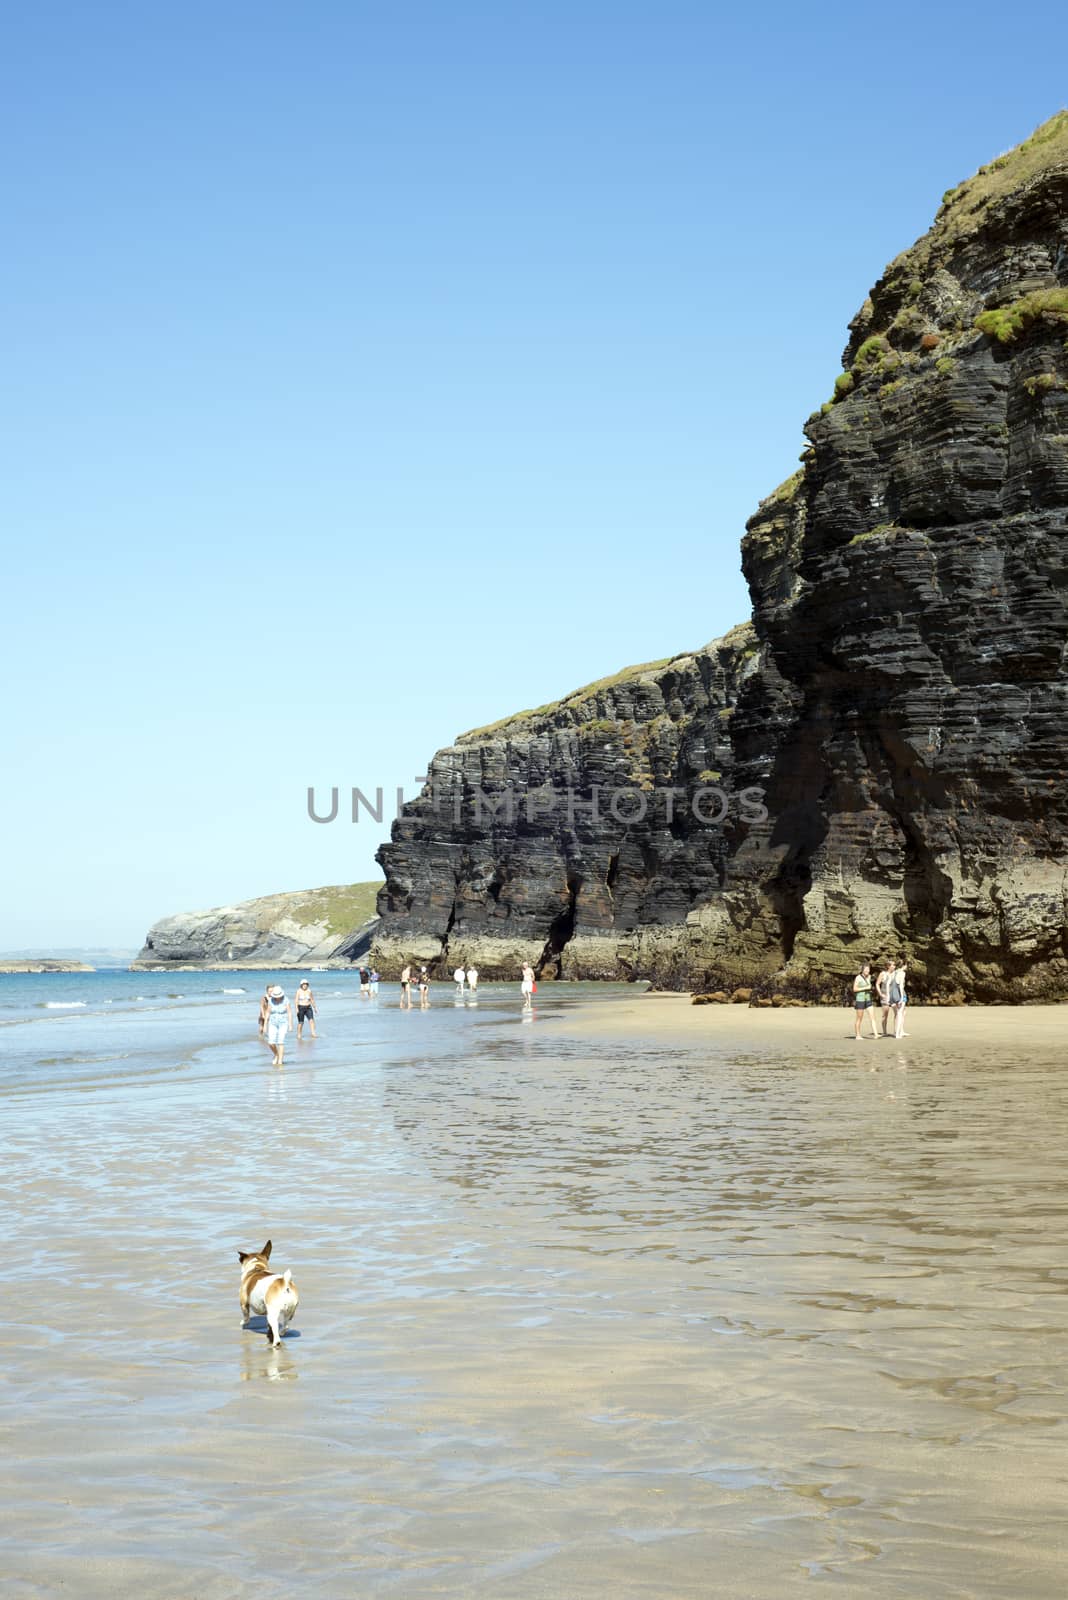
column 527, row 843
column 332, row 926
column 899, row 701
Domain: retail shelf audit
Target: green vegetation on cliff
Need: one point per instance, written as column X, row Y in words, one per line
column 576, row 698
column 1008, row 323
column 340, row 908
column 739, row 637
column 1047, row 147
column 906, row 309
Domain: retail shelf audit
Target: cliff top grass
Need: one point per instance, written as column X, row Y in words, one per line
column 964, row 207
column 895, row 304
column 1046, row 147
column 786, row 491
column 341, row 907
column 579, row 697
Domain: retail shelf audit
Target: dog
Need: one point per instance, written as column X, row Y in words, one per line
column 266, row 1293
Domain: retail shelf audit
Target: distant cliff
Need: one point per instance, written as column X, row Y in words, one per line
column 900, row 701
column 331, row 926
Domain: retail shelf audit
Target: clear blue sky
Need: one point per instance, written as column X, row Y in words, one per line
column 372, row 371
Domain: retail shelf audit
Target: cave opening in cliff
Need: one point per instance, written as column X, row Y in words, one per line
column 561, row 931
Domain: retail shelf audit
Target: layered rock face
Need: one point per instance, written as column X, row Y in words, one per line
column 332, row 926
column 569, row 836
column 900, row 701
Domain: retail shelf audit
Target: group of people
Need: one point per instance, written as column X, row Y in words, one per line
column 407, row 982
column 276, row 1016
column 465, row 979
column 276, row 1010
column 887, row 991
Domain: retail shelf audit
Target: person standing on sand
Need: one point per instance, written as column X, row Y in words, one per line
column 279, row 1022
column 527, row 986
column 424, row 988
column 882, row 989
column 898, row 998
column 406, row 988
column 472, row 979
column 459, row 978
column 862, row 1001
column 264, row 1004
column 305, row 1009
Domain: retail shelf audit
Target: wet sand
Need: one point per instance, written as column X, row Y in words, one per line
column 630, row 1298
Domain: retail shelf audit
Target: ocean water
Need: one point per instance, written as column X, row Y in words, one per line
column 75, row 1028
column 586, row 1308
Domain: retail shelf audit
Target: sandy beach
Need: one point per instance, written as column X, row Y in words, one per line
column 675, row 1016
column 626, row 1297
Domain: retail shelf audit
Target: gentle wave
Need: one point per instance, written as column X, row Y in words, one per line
column 235, row 991
column 63, row 1005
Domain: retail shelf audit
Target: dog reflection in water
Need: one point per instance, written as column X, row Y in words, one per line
column 272, row 1362
column 267, row 1294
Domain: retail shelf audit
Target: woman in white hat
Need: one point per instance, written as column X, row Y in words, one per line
column 279, row 1021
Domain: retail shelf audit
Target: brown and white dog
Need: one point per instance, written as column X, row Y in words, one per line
column 266, row 1293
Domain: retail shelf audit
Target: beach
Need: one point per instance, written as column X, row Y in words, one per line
column 623, row 1296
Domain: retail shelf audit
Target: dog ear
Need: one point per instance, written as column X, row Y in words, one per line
column 266, row 1251
column 242, row 1256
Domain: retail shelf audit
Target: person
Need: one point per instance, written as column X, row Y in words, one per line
column 472, row 979
column 459, row 978
column 527, row 986
column 305, row 1009
column 264, row 1003
column 406, row 987
column 882, row 989
column 365, row 982
column 279, row 1021
column 898, row 998
column 862, row 1001
column 424, row 988
column 374, row 981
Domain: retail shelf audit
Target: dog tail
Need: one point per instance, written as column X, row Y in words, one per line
column 287, row 1277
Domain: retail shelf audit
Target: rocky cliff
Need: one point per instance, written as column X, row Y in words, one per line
column 899, row 700
column 332, row 926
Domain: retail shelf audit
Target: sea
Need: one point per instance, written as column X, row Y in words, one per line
column 588, row 1307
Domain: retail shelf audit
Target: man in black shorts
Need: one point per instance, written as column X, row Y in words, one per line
column 305, row 1009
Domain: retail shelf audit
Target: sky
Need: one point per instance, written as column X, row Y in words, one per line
column 373, row 371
